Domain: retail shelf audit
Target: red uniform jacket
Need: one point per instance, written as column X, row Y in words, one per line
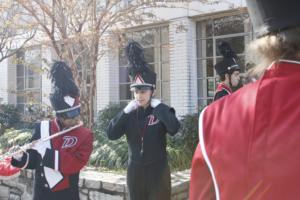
column 222, row 90
column 57, row 173
column 250, row 141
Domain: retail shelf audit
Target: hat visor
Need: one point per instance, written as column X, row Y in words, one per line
column 145, row 86
column 72, row 113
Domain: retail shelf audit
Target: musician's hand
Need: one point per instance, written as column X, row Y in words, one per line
column 40, row 148
column 132, row 105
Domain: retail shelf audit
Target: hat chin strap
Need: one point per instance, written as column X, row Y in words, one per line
column 149, row 102
column 230, row 84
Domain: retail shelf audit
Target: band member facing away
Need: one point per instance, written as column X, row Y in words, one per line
column 228, row 71
column 253, row 151
column 145, row 121
column 57, row 162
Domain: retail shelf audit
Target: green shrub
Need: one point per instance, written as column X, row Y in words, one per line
column 33, row 114
column 107, row 153
column 181, row 147
column 12, row 137
column 9, row 117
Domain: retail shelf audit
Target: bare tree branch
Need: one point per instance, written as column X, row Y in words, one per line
column 76, row 28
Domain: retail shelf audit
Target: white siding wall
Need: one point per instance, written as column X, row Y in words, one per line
column 107, row 79
column 4, row 81
column 12, row 80
column 183, row 68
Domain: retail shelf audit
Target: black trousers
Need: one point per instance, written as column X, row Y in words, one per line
column 149, row 182
column 45, row 194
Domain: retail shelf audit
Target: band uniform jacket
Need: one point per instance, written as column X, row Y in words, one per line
column 222, row 90
column 57, row 173
column 249, row 141
column 161, row 120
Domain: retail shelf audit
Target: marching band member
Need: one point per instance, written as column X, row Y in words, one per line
column 58, row 162
column 249, row 141
column 145, row 121
column 228, row 71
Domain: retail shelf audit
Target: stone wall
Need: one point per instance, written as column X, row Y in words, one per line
column 93, row 186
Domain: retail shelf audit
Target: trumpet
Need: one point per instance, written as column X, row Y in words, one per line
column 19, row 149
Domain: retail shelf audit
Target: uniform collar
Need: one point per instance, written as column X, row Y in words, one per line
column 284, row 61
column 144, row 111
column 222, row 86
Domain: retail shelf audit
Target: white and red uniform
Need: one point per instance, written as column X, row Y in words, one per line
column 221, row 91
column 249, row 142
column 57, row 173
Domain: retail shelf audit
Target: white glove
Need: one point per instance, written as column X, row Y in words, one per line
column 131, row 106
column 155, row 102
column 17, row 156
column 40, row 147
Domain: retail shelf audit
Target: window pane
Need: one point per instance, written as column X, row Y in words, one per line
column 20, row 83
column 158, row 89
column 125, row 93
column 165, row 53
column 210, row 87
column 164, row 35
column 204, row 29
column 156, row 67
column 165, row 90
column 21, row 98
column 209, row 68
column 20, row 70
column 33, row 97
column 201, row 87
column 123, row 75
column 149, row 54
column 199, row 30
column 209, row 28
column 157, row 54
column 200, row 64
column 204, row 48
column 228, row 25
column 29, row 70
column 165, row 69
column 146, row 37
column 33, row 82
column 205, row 68
column 122, row 58
column 236, row 43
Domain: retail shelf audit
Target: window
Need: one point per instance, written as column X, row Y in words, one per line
column 234, row 29
column 156, row 45
column 28, row 79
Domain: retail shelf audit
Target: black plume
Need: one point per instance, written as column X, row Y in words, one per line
column 225, row 50
column 62, row 80
column 135, row 55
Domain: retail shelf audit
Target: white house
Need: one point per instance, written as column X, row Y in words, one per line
column 181, row 48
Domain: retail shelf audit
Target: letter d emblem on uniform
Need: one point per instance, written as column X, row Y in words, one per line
column 69, row 141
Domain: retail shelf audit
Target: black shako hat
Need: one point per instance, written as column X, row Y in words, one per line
column 228, row 65
column 141, row 75
column 272, row 16
column 65, row 94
